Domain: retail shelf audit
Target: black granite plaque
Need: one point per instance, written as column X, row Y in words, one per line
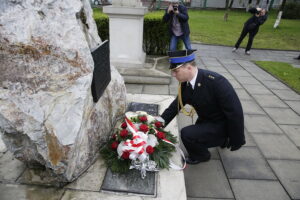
column 132, row 182
column 101, row 75
column 151, row 109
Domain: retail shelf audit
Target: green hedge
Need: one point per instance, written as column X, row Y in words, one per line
column 291, row 10
column 156, row 39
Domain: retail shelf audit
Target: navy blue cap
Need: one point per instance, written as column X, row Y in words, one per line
column 178, row 58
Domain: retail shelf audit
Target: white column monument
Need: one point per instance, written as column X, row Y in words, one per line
column 126, row 22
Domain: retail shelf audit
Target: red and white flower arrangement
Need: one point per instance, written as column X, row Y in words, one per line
column 139, row 142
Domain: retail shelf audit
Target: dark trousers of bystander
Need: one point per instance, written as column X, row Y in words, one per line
column 244, row 32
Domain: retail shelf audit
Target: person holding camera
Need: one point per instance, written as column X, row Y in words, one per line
column 177, row 17
column 251, row 26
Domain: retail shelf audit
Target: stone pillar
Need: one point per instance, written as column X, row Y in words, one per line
column 126, row 22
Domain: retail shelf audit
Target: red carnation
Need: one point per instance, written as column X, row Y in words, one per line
column 149, row 149
column 125, row 155
column 114, row 136
column 161, row 135
column 114, row 145
column 123, row 133
column 124, row 125
column 143, row 118
column 158, row 124
column 144, row 128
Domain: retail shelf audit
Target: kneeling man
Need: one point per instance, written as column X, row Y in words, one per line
column 220, row 115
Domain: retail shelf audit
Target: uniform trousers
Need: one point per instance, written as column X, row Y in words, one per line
column 201, row 136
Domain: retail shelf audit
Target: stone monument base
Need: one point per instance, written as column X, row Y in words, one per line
column 149, row 74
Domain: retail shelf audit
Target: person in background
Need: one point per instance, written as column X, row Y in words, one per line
column 251, row 26
column 220, row 115
column 177, row 17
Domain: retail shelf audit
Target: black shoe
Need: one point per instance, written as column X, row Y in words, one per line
column 192, row 161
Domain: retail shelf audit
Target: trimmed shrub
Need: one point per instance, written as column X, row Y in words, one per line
column 291, row 10
column 156, row 38
column 102, row 22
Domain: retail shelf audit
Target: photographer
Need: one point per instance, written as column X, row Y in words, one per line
column 177, row 17
column 251, row 26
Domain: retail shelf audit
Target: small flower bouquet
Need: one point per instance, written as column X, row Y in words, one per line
column 139, row 142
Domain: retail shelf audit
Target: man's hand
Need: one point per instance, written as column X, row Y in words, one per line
column 170, row 8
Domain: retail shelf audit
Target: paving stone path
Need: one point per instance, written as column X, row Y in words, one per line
column 266, row 168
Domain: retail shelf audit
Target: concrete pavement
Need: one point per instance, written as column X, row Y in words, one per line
column 267, row 167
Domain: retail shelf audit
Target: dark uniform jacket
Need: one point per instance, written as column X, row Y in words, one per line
column 183, row 18
column 253, row 23
column 214, row 100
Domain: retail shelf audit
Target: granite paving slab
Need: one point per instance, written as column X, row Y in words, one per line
column 207, row 180
column 84, row 195
column 257, row 89
column 10, row 168
column 275, row 85
column 92, row 179
column 227, row 75
column 240, row 73
column 283, row 115
column 242, row 94
column 276, row 146
column 287, row 95
column 29, row 192
column 190, row 198
column 269, row 101
column 258, row 190
column 261, row 75
column 235, row 84
column 246, row 163
column 261, row 124
column 219, row 69
column 295, row 105
column 250, row 107
column 249, row 140
column 288, row 172
column 232, row 67
column 247, row 80
column 293, row 132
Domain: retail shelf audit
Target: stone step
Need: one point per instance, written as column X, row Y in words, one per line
column 145, row 76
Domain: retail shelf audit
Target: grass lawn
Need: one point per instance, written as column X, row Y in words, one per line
column 208, row 26
column 283, row 71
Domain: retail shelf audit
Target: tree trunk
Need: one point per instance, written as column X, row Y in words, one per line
column 277, row 22
column 228, row 5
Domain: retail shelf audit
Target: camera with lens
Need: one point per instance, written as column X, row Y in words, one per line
column 175, row 8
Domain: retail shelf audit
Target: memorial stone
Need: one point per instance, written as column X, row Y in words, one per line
column 47, row 114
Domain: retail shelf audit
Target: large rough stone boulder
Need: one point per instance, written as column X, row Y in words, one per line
column 47, row 113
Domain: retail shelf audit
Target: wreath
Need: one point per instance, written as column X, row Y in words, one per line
column 140, row 142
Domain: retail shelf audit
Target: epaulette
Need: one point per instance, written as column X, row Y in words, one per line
column 211, row 77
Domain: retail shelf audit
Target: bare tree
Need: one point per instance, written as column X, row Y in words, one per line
column 228, row 6
column 277, row 22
